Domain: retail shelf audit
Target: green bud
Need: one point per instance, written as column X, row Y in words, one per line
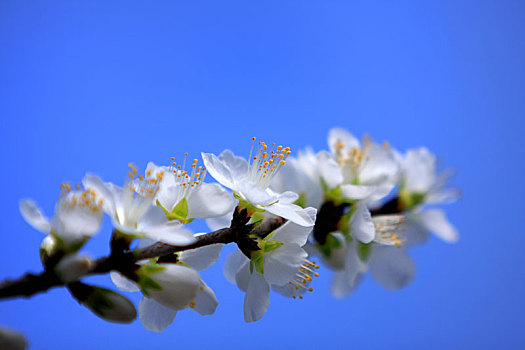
column 105, row 303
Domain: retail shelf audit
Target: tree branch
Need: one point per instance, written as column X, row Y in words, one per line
column 31, row 284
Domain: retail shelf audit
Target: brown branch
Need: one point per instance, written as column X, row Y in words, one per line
column 31, row 284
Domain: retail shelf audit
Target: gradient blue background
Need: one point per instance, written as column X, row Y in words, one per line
column 91, row 86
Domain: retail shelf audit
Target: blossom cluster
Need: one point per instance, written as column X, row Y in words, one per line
column 357, row 207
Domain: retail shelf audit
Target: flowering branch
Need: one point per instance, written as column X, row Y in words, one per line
column 358, row 207
column 31, row 284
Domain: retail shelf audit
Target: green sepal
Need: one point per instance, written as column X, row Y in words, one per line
column 271, row 246
column 60, row 244
column 409, row 200
column 301, row 201
column 331, row 244
column 364, row 250
column 257, row 262
column 100, row 303
column 128, row 236
column 145, row 281
column 257, row 218
column 244, row 204
column 179, row 212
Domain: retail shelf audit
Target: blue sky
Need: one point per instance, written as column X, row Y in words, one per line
column 92, row 86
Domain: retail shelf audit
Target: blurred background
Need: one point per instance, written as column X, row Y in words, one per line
column 91, row 86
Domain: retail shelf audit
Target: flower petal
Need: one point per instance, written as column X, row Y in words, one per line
column 257, row 298
column 234, row 263
column 361, row 224
column 281, row 265
column 346, row 281
column 179, row 285
column 218, row 170
column 34, row 217
column 209, row 201
column 391, row 267
column 206, row 301
column 290, row 232
column 201, row 258
column 156, row 226
column 357, row 192
column 122, row 283
column 256, row 195
column 106, row 192
column 329, row 170
column 238, row 165
column 436, row 221
column 155, row 317
column 291, row 212
column 220, row 222
column 338, row 137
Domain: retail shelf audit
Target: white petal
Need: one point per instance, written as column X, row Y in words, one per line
column 234, row 262
column 156, row 226
column 122, row 283
column 242, row 278
column 329, row 170
column 443, row 196
column 346, row 281
column 338, row 137
column 206, row 301
column 238, row 165
column 95, row 183
column 419, row 170
column 220, row 222
column 361, row 224
column 338, row 255
column 288, row 197
column 34, row 217
column 169, row 196
column 290, row 232
column 218, row 170
column 281, row 265
column 357, row 192
column 436, row 221
column 257, row 298
column 155, row 317
column 179, row 285
column 291, row 212
column 414, row 233
column 379, row 167
column 254, row 194
column 201, row 258
column 391, row 267
column 75, row 223
column 209, row 201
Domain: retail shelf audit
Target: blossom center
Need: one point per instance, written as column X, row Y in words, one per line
column 302, row 279
column 266, row 163
column 387, row 229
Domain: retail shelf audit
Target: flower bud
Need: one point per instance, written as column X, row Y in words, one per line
column 104, row 303
column 72, row 267
column 47, row 249
column 12, row 340
column 171, row 285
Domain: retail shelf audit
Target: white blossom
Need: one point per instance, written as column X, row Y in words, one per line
column 250, row 180
column 78, row 215
column 280, row 262
column 131, row 211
